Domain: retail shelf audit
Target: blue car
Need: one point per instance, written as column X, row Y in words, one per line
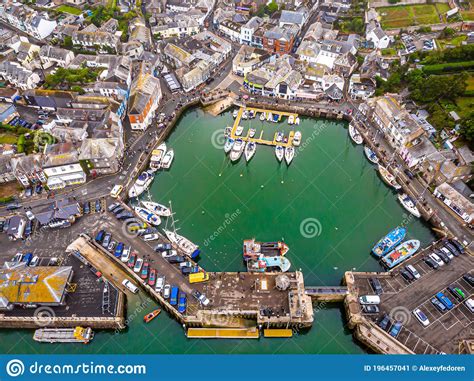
column 182, row 303
column 100, row 236
column 395, row 330
column 174, row 295
column 119, row 250
column 27, row 258
column 445, row 300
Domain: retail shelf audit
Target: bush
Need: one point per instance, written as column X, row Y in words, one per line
column 451, row 67
column 20, row 144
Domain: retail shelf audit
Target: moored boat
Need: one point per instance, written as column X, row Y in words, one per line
column 253, row 249
column 250, row 149
column 229, row 143
column 268, row 264
column 64, row 335
column 157, row 157
column 235, row 113
column 239, row 130
column 245, row 115
column 252, row 132
column 141, row 184
column 279, row 152
column 388, row 178
column 251, row 114
column 289, row 154
column 355, row 135
column 387, row 243
column 291, row 120
column 150, row 316
column 237, row 150
column 147, row 215
column 409, row 204
column 156, row 208
column 279, row 136
column 371, row 156
column 297, row 121
column 263, row 116
column 401, row 253
column 183, row 244
column 276, row 118
column 167, row 159
column 297, row 139
column 269, row 116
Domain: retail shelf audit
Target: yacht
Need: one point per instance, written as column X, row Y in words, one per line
column 388, row 178
column 147, row 216
column 355, row 135
column 141, row 184
column 239, row 130
column 371, row 156
column 157, row 157
column 291, row 120
column 228, row 145
column 297, row 139
column 269, row 116
column 245, row 115
column 279, row 136
column 167, row 159
column 182, row 243
column 409, row 204
column 297, row 121
column 252, row 132
column 279, row 152
column 263, row 116
column 235, row 113
column 237, row 150
column 250, row 149
column 156, row 208
column 289, row 154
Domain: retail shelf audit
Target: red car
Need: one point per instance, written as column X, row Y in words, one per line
column 131, row 261
column 152, row 277
column 145, row 268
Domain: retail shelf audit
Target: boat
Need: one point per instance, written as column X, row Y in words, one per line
column 237, row 150
column 157, row 157
column 297, row 139
column 291, row 120
column 297, row 121
column 235, row 113
column 387, row 243
column 388, row 178
column 263, row 116
column 253, row 249
column 156, row 208
column 251, row 114
column 279, row 152
column 147, row 215
column 276, row 118
column 150, row 316
column 252, row 132
column 227, row 131
column 183, row 244
column 409, row 204
column 355, row 135
column 279, row 136
column 249, row 151
column 64, row 335
column 245, row 115
column 229, row 143
column 401, row 253
column 268, row 264
column 289, row 154
column 238, row 130
column 141, row 184
column 371, row 156
column 269, row 116
column 167, row 159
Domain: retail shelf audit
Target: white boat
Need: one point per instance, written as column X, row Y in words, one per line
column 355, row 136
column 289, row 154
column 235, row 113
column 239, row 130
column 251, row 114
column 279, row 136
column 156, row 208
column 227, row 131
column 263, row 116
column 297, row 139
column 182, row 243
column 291, row 119
column 228, row 145
column 147, row 215
column 250, row 149
column 279, row 152
column 270, row 117
column 297, row 121
column 237, row 150
column 245, row 115
column 157, row 157
column 252, row 132
column 167, row 159
column 388, row 178
column 409, row 204
column 64, row 335
column 371, row 156
column 141, row 184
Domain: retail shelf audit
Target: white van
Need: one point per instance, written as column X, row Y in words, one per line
column 413, row 271
column 369, row 299
column 470, row 304
column 130, row 286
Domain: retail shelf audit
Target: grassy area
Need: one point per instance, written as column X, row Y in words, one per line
column 450, row 67
column 69, row 9
column 463, row 106
column 442, row 8
column 7, row 138
column 470, row 83
column 456, row 41
column 407, row 15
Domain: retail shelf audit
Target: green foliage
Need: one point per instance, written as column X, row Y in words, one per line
column 450, row 67
column 6, row 200
column 70, row 77
column 467, row 129
column 20, row 144
column 353, row 25
column 458, row 54
column 272, row 7
column 447, row 33
column 78, row 89
column 68, row 42
column 434, row 87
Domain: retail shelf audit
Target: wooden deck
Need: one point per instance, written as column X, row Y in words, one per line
column 260, row 139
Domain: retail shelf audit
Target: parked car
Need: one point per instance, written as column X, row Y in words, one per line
column 384, row 322
column 111, row 246
column 174, row 295
column 369, row 299
column 470, row 304
column 446, row 252
column 126, row 254
column 407, row 275
column 376, row 286
column 422, row 318
column 370, row 309
column 409, row 174
column 130, row 286
column 98, row 206
column 131, row 261
column 469, row 279
column 86, row 207
column 119, row 250
column 160, row 283
column 35, row 261
column 436, row 259
column 17, row 258
column 106, row 241
column 163, row 247
column 145, row 270
column 434, row 265
column 175, row 259
column 138, row 265
column 152, row 278
column 457, row 245
column 448, row 245
column 150, row 237
column 413, row 271
column 395, row 330
column 443, row 256
column 182, row 303
column 439, row 306
column 201, row 298
column 166, row 291
column 28, row 228
column 445, row 300
column 112, row 206
column 27, row 258
column 100, row 236
column 457, row 292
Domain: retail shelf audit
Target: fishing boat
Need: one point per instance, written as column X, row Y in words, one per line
column 401, row 253
column 355, row 135
column 229, row 143
column 253, row 249
column 64, row 335
column 182, row 243
column 409, row 204
column 167, row 159
column 250, row 149
column 245, row 115
column 297, row 139
column 291, row 120
column 269, row 116
column 252, row 132
column 279, row 152
column 157, row 157
column 237, row 150
column 268, row 264
column 235, row 113
column 141, row 184
column 156, row 208
column 388, row 242
column 147, row 215
column 150, row 316
column 239, row 130
column 388, row 178
column 297, row 121
column 263, row 116
column 289, row 154
column 371, row 156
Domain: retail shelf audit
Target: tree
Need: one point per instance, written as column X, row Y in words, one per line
column 467, row 129
column 272, row 7
column 68, row 42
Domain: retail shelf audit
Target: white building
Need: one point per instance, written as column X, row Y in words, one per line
column 377, row 36
column 64, row 175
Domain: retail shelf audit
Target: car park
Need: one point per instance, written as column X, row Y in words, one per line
column 445, row 300
column 413, row 271
column 457, row 292
column 384, row 322
column 376, row 286
column 395, row 330
column 421, row 317
column 436, row 259
column 430, row 262
column 439, row 306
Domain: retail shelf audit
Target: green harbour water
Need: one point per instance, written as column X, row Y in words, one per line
column 329, row 206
